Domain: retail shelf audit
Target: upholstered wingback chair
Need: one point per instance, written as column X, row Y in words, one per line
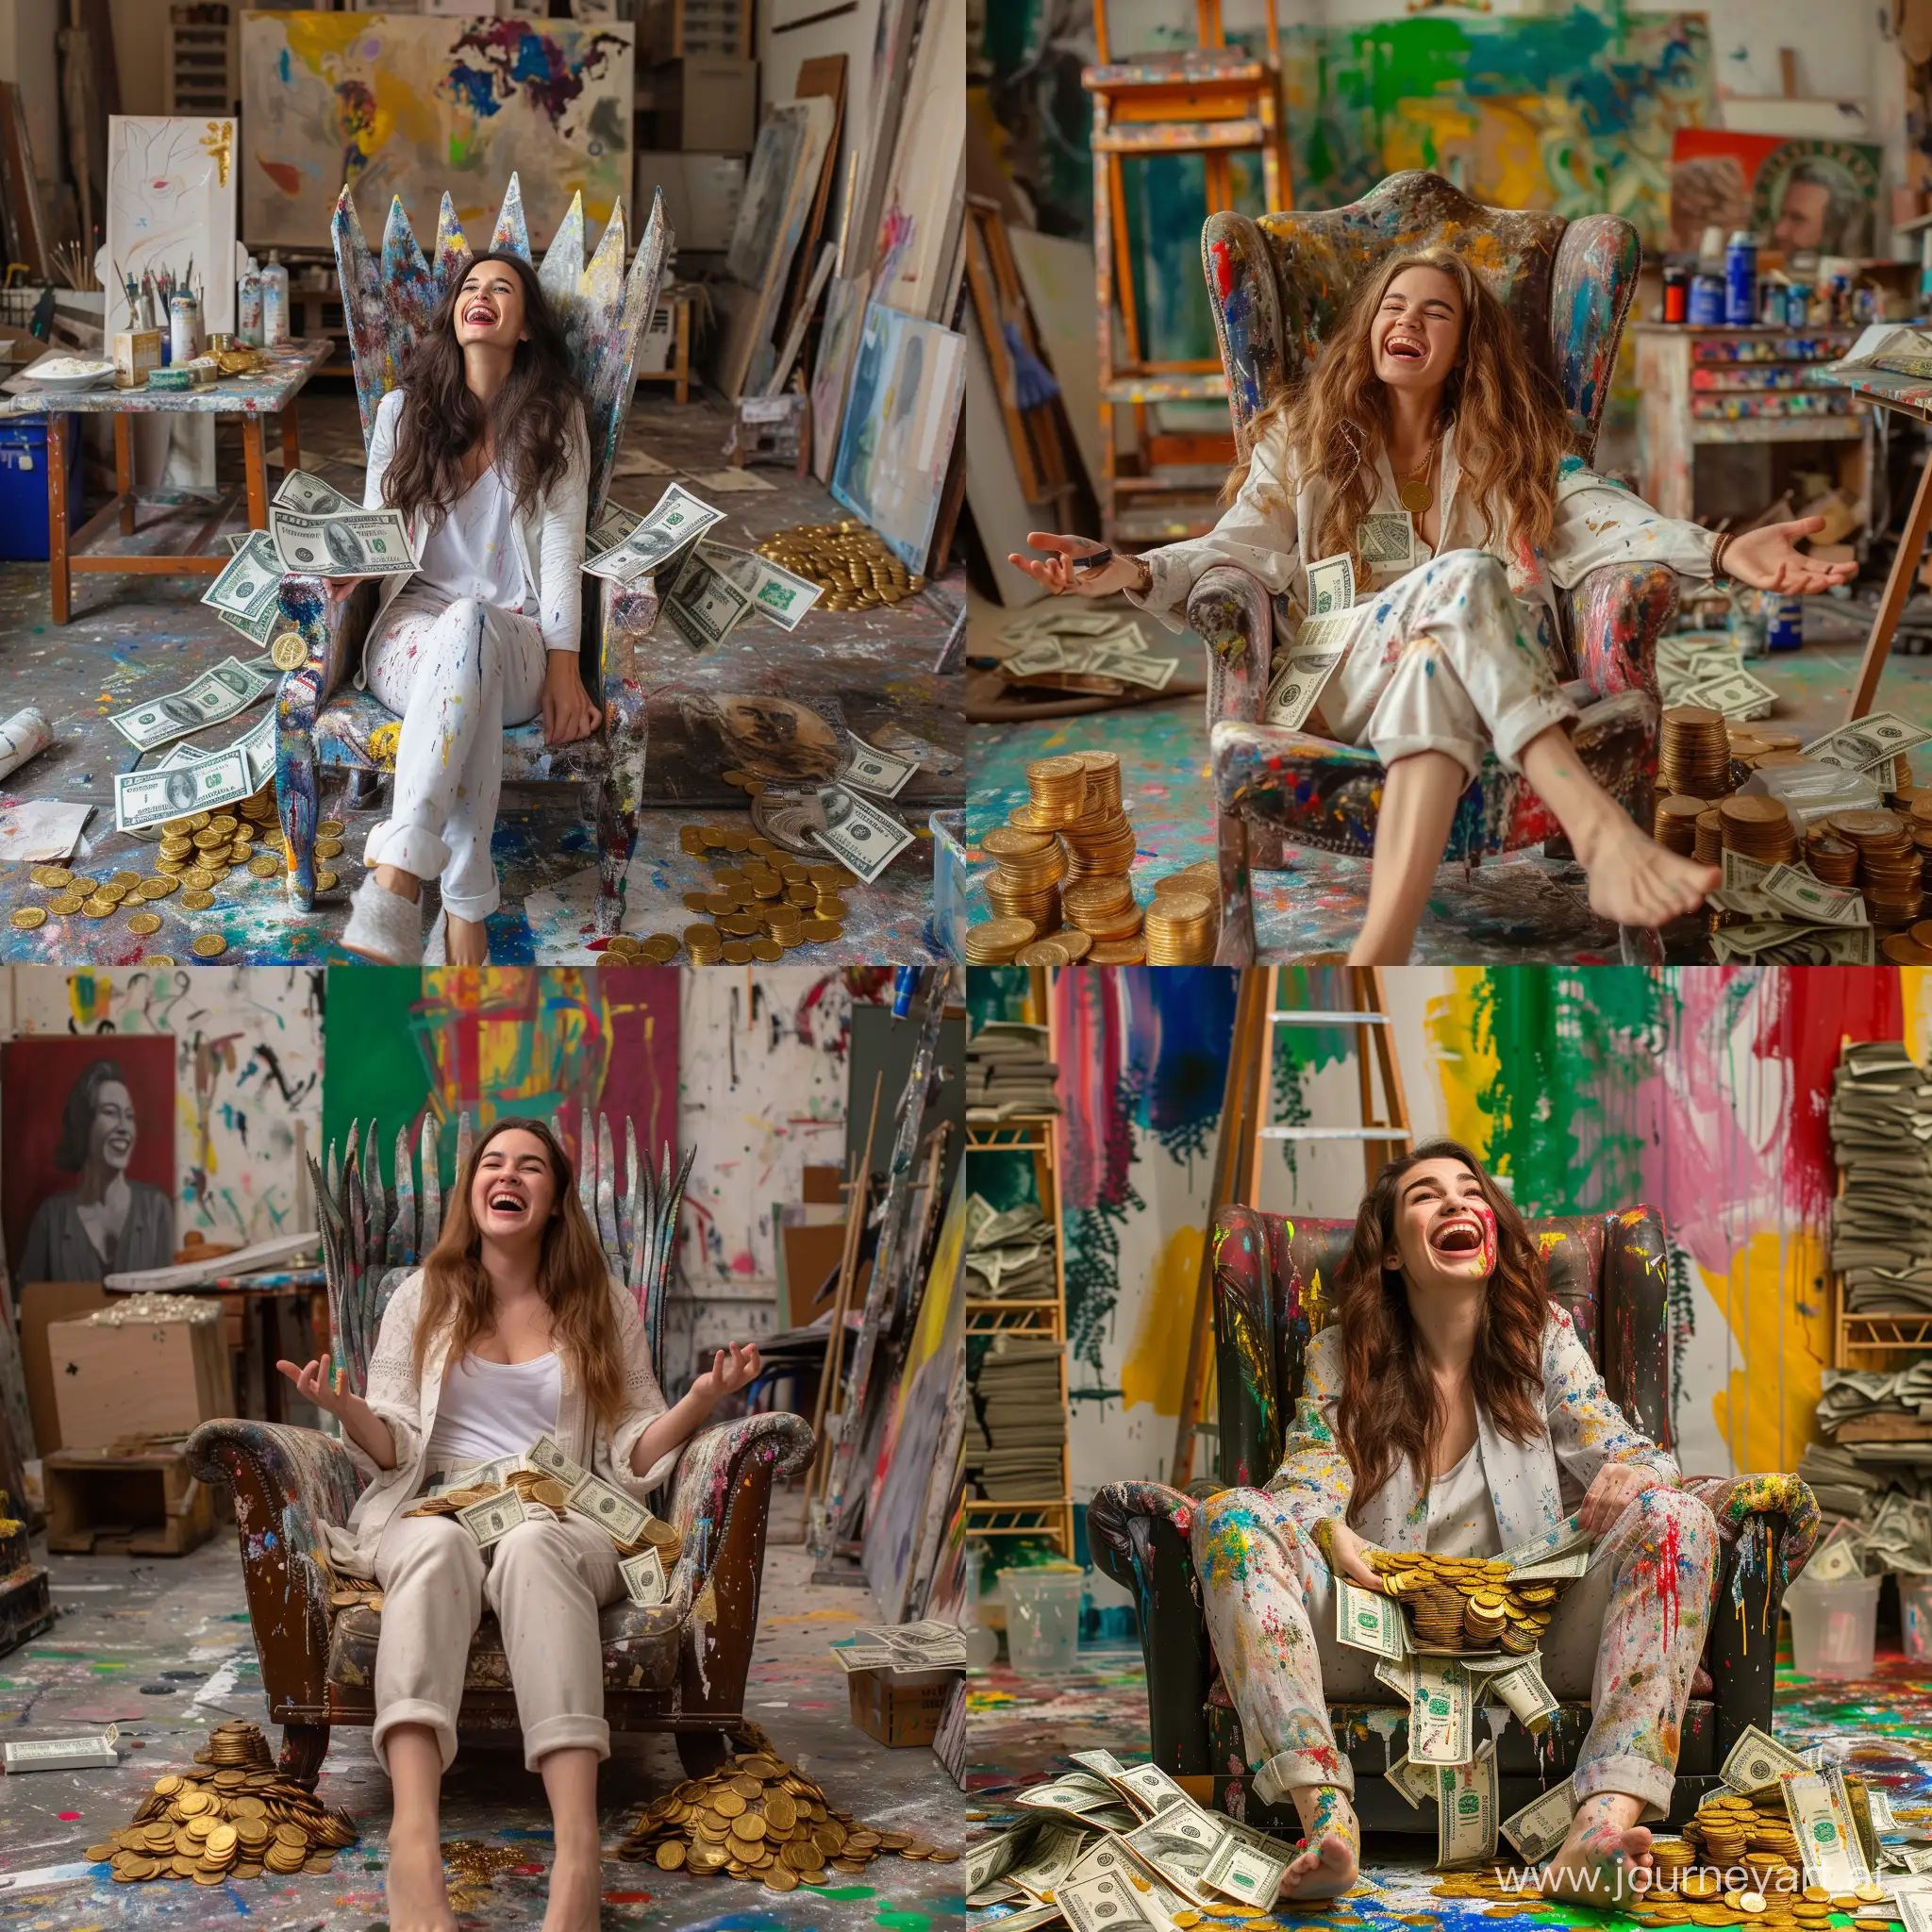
column 324, row 719
column 1277, row 286
column 1273, row 1281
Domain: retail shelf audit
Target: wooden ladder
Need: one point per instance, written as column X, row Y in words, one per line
column 1215, row 101
column 1260, row 1013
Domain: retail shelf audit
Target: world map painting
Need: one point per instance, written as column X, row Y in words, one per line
column 415, row 104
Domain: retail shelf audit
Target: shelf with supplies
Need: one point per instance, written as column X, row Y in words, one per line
column 199, row 67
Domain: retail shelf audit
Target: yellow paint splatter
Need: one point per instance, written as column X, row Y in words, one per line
column 1772, row 1299
column 1465, row 1067
column 1158, row 1361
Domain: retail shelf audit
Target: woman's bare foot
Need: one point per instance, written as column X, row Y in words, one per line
column 417, row 1895
column 576, row 1884
column 1634, row 880
column 1327, row 1867
column 469, row 942
column 1599, row 1862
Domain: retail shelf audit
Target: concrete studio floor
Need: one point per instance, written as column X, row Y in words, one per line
column 133, row 639
column 1020, row 1730
column 161, row 1648
column 1521, row 907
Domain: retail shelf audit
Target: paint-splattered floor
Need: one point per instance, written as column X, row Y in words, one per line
column 1020, row 1730
column 133, row 639
column 1520, row 907
column 162, row 1649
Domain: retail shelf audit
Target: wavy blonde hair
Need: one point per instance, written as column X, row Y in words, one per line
column 1511, row 427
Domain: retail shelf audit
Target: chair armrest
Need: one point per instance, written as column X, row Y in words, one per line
column 704, row 1480
column 1232, row 612
column 1617, row 614
column 1593, row 281
column 1635, row 1320
column 1138, row 1533
column 620, row 615
column 286, row 1484
column 332, row 618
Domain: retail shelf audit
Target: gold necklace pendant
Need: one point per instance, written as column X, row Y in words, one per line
column 1416, row 496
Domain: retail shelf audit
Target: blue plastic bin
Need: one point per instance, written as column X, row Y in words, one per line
column 24, row 485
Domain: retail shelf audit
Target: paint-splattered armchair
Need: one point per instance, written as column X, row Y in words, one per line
column 680, row 1666
column 1272, row 1284
column 324, row 718
column 1276, row 287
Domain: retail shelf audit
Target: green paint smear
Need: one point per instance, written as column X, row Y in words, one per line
column 841, row 1894
column 903, row 1922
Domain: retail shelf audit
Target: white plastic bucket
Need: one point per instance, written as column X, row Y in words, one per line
column 1915, row 1614
column 1834, row 1625
column 1043, row 1618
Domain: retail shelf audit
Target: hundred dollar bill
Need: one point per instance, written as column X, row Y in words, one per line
column 1386, row 538
column 643, row 1577
column 1439, row 1712
column 1466, row 1807
column 1916, row 1859
column 1110, row 1902
column 991, row 1857
column 1568, row 1535
column 493, row 1518
column 1396, row 1676
column 1825, row 1842
column 213, row 698
column 1840, row 1555
column 1106, row 1853
column 1246, row 1866
column 150, row 798
column 247, row 595
column 677, row 518
column 1331, row 584
column 594, row 1499
column 1415, row 1782
column 881, row 772
column 1866, row 741
column 1177, row 1845
column 1296, row 685
column 307, row 493
column 1737, row 695
column 1072, row 1792
column 1108, row 660
column 1795, row 890
column 545, row 1453
column 702, row 601
column 1542, row 1825
column 344, row 543
column 1368, row 1621
column 1756, row 1761
column 1050, row 1861
column 1030, row 1918
column 776, row 593
column 614, row 524
column 1844, row 1804
column 1915, row 1910
column 483, row 1475
column 1879, row 1803
column 859, row 834
column 1150, row 1789
column 1522, row 1687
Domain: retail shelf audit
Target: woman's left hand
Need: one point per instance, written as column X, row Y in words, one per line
column 731, row 1370
column 1769, row 559
column 569, row 711
column 1617, row 1485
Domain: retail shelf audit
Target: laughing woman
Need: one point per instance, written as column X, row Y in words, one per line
column 483, row 449
column 511, row 1329
column 1425, row 401
column 1450, row 1408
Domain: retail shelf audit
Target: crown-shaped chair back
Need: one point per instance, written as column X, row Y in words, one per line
column 604, row 311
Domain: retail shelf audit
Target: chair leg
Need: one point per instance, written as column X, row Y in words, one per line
column 304, row 1747
column 297, row 807
column 364, row 789
column 1237, row 947
column 617, row 838
column 701, row 1752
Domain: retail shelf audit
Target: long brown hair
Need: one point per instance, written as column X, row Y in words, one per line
column 571, row 1276
column 1511, row 427
column 531, row 418
column 1389, row 1410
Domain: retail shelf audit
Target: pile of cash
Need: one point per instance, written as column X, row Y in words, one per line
column 237, row 1819
column 1016, row 1420
column 1706, row 670
column 847, row 560
column 758, row 1819
column 1008, row 1075
column 221, row 692
column 1776, row 912
column 1064, row 647
column 1881, row 1141
column 1009, row 1254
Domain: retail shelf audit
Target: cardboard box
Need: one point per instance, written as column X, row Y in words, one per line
column 42, row 1303
column 825, row 1185
column 708, row 102
column 806, row 1255
column 158, row 1378
column 900, row 1707
column 137, row 356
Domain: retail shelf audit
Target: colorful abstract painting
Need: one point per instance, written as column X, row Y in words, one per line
column 415, row 104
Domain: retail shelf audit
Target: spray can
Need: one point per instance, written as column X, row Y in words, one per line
column 1771, row 301
column 1706, row 301
column 1784, row 622
column 184, row 327
column 248, row 306
column 1741, row 279
column 275, row 303
column 1677, row 292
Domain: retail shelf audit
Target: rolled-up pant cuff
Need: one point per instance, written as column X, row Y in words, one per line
column 567, row 1733
column 412, row 1710
column 1465, row 751
column 409, row 848
column 473, row 907
column 1289, row 1771
column 1632, row 1777
column 1524, row 723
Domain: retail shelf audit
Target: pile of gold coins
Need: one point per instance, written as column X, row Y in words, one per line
column 1694, row 753
column 1467, row 1603
column 758, row 1819
column 1730, row 1830
column 846, row 560
column 1890, row 863
column 1699, row 1898
column 1760, row 829
column 197, row 855
column 1026, row 882
column 239, row 1819
column 763, row 903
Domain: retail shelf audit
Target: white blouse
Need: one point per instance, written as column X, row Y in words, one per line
column 1462, row 1513
column 494, row 1408
column 474, row 553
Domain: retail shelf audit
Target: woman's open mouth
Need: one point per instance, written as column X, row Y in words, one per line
column 480, row 313
column 1405, row 349
column 1458, row 1238
column 506, row 1200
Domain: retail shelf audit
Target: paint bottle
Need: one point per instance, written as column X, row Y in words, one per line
column 1741, row 279
column 184, row 327
column 1771, row 301
column 274, row 302
column 1677, row 292
column 1706, row 301
column 1784, row 629
column 248, row 306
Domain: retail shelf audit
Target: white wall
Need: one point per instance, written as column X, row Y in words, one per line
column 27, row 54
column 780, row 53
column 141, row 55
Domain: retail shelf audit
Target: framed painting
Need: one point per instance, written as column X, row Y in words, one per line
column 1793, row 195
column 170, row 205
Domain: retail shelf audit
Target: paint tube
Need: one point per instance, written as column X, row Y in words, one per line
column 62, row 1754
column 22, row 735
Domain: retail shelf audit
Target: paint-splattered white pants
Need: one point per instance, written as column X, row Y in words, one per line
column 1445, row 660
column 1627, row 1634
column 545, row 1581
column 458, row 674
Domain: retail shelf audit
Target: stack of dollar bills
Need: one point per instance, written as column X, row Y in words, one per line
column 1707, row 667
column 1068, row 647
column 1881, row 1143
column 1785, row 915
column 1016, row 1420
column 1009, row 1254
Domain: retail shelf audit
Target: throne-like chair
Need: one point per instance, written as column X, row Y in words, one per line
column 1272, row 1281
column 322, row 718
column 1276, row 287
column 680, row 1666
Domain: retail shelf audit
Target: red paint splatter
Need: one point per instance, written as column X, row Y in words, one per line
column 1223, row 269
column 67, row 1817
column 627, row 1898
column 1664, row 1574
column 285, row 175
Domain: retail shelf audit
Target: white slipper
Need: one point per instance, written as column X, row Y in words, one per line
column 383, row 927
column 437, row 952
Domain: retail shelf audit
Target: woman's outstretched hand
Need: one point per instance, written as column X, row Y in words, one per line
column 1349, row 1559
column 1057, row 574
column 569, row 711
column 1617, row 1485
column 320, row 1383
column 1769, row 559
column 731, row 1370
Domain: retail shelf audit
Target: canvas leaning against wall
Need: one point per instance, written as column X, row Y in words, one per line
column 1793, row 195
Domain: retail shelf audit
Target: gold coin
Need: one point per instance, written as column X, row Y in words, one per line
column 670, row 1856
column 287, row 652
column 326, row 881
column 158, row 888
column 27, row 917
column 66, row 904
column 328, row 848
column 330, row 828
column 99, row 908
column 198, row 878
column 198, row 901
column 264, row 867
column 736, row 953
column 56, row 879
column 145, row 923
column 222, row 1841
column 814, row 931
column 161, row 959
column 767, row 950
column 209, row 945
column 660, row 947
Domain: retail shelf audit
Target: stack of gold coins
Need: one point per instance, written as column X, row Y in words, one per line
column 1057, row 790
column 1483, row 1619
column 627, row 949
column 1891, row 868
column 1439, row 1610
column 1026, row 882
column 1830, row 857
column 1067, row 948
column 847, row 560
column 994, row 941
column 1694, row 755
column 1181, row 929
column 1759, row 829
column 1103, row 905
column 1673, row 1857
column 236, row 1819
column 1102, row 781
column 758, row 1818
column 1675, row 824
column 1708, row 850
column 1100, row 844
column 704, row 945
